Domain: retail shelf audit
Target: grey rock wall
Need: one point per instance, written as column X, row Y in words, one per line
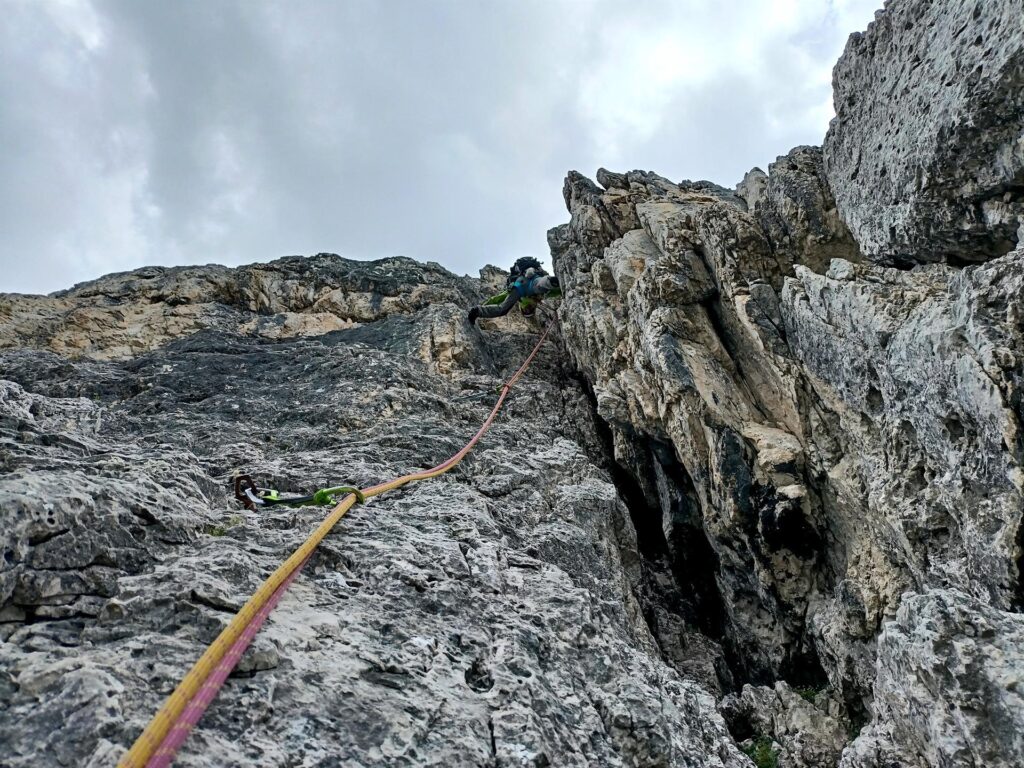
column 762, row 490
column 839, row 439
column 794, row 204
column 926, row 152
column 492, row 617
column 948, row 688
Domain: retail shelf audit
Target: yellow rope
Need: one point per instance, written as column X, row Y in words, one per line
column 163, row 720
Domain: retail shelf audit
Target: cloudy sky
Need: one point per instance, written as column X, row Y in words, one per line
column 150, row 132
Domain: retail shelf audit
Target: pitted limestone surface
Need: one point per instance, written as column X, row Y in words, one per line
column 925, row 154
column 838, row 434
column 487, row 618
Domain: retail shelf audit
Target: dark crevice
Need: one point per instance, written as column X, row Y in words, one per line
column 712, row 307
column 144, row 515
column 75, row 620
column 802, row 667
column 218, row 605
column 494, row 744
column 1018, row 597
column 954, row 260
column 42, row 538
column 899, row 261
column 694, row 561
column 678, row 562
column 781, row 524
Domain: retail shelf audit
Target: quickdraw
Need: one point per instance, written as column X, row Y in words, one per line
column 253, row 497
column 166, row 732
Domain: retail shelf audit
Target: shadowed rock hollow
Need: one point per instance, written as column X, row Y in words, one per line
column 761, row 492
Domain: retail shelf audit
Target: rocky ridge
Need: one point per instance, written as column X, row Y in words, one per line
column 841, row 441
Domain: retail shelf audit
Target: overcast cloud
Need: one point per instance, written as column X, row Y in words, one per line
column 153, row 132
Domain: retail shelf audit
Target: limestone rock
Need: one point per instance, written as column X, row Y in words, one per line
column 490, row 617
column 807, row 733
column 122, row 315
column 926, row 152
column 766, row 479
column 918, row 368
column 821, row 440
column 796, row 207
column 671, row 323
column 949, row 686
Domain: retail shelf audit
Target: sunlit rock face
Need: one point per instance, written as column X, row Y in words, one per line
column 125, row 314
column 821, row 444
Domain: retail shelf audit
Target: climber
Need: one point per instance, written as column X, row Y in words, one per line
column 527, row 284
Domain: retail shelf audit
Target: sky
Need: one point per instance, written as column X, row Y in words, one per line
column 144, row 132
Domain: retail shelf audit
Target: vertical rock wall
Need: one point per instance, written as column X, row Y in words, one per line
column 845, row 434
column 849, row 438
column 926, row 152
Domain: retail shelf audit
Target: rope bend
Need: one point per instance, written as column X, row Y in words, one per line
column 167, row 730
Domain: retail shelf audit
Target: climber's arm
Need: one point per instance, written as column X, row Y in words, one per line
column 502, row 309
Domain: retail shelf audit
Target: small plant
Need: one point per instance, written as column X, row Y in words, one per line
column 809, row 693
column 856, row 723
column 761, row 752
column 222, row 528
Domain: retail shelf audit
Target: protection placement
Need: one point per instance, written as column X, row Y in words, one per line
column 170, row 726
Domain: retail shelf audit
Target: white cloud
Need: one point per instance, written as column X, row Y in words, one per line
column 187, row 132
column 77, row 19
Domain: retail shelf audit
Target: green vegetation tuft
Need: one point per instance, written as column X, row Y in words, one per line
column 810, row 693
column 856, row 723
column 761, row 752
column 222, row 528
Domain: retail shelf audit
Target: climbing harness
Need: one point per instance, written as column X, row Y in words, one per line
column 170, row 726
column 253, row 497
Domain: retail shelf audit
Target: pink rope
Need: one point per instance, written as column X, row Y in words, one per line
column 190, row 716
column 172, row 742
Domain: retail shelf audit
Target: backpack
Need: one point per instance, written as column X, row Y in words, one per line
column 522, row 264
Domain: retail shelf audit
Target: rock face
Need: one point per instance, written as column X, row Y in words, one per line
column 823, row 444
column 926, row 152
column 948, row 687
column 794, row 205
column 806, row 733
column 487, row 618
column 126, row 314
column 794, row 452
column 762, row 491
